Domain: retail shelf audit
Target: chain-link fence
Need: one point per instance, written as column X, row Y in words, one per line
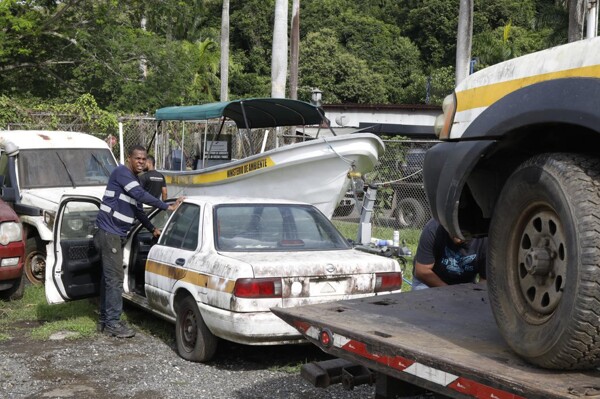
column 401, row 202
column 191, row 145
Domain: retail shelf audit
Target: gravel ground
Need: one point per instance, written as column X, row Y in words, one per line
column 148, row 367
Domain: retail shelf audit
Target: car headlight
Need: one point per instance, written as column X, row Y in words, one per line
column 75, row 224
column 10, row 232
column 443, row 122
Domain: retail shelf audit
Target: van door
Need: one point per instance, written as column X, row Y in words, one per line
column 73, row 267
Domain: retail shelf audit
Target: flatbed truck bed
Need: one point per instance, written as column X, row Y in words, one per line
column 444, row 340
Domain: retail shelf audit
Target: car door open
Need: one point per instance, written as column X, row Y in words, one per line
column 73, row 270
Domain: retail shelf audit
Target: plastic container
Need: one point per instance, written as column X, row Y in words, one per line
column 381, row 243
column 396, row 240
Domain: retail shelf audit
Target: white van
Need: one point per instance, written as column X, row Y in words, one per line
column 37, row 168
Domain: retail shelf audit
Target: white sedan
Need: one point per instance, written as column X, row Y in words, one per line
column 219, row 266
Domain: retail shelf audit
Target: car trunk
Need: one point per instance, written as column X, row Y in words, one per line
column 310, row 277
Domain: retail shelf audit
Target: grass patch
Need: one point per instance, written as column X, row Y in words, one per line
column 32, row 316
column 288, row 368
column 78, row 317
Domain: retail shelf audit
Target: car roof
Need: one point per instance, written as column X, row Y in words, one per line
column 219, row 200
column 37, row 139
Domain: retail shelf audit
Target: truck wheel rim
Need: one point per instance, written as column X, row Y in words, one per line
column 541, row 262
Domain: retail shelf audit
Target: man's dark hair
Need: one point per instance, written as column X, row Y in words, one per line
column 150, row 159
column 135, row 148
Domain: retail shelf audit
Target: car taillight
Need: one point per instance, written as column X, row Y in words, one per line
column 390, row 281
column 257, row 288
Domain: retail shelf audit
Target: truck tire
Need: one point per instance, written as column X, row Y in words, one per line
column 35, row 261
column 410, row 213
column 343, row 210
column 194, row 340
column 544, row 261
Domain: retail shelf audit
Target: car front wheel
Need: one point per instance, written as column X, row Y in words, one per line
column 543, row 271
column 35, row 261
column 195, row 342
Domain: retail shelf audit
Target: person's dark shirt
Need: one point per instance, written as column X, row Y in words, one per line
column 122, row 203
column 153, row 182
column 453, row 263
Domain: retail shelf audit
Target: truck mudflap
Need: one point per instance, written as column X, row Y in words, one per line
column 444, row 340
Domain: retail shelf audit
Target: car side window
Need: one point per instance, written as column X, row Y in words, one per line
column 183, row 229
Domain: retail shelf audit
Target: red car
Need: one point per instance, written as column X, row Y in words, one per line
column 12, row 253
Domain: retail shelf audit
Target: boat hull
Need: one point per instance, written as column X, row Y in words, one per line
column 314, row 171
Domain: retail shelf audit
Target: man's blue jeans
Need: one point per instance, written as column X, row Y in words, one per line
column 418, row 284
column 110, row 247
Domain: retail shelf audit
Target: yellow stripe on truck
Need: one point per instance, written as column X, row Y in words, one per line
column 190, row 276
column 484, row 96
column 228, row 173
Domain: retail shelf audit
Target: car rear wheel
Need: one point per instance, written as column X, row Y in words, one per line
column 543, row 272
column 195, row 342
column 35, row 261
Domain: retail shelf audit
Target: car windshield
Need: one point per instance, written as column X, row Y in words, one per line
column 42, row 168
column 265, row 227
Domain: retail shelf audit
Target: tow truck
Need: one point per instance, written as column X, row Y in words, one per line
column 442, row 341
column 518, row 163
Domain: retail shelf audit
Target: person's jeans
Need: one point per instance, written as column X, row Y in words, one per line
column 418, row 284
column 110, row 247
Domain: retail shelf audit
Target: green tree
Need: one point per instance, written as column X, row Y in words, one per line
column 342, row 76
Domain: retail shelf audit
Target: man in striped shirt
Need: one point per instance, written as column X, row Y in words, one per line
column 121, row 205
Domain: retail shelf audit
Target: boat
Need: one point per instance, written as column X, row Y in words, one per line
column 317, row 171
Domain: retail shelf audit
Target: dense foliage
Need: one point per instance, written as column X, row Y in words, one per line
column 133, row 56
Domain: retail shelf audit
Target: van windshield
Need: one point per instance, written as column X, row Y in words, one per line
column 68, row 167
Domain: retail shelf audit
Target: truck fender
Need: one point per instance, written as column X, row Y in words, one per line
column 36, row 223
column 449, row 164
column 571, row 101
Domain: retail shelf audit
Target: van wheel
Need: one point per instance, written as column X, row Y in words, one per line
column 35, row 261
column 194, row 340
column 15, row 292
column 543, row 273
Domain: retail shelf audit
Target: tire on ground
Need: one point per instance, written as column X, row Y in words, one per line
column 194, row 340
column 410, row 213
column 35, row 260
column 343, row 210
column 544, row 256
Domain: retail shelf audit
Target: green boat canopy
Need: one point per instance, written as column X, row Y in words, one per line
column 248, row 113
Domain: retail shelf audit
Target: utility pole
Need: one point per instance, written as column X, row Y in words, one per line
column 225, row 52
column 279, row 61
column 463, row 39
column 294, row 49
column 592, row 19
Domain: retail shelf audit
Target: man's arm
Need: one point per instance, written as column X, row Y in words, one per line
column 426, row 275
column 164, row 193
